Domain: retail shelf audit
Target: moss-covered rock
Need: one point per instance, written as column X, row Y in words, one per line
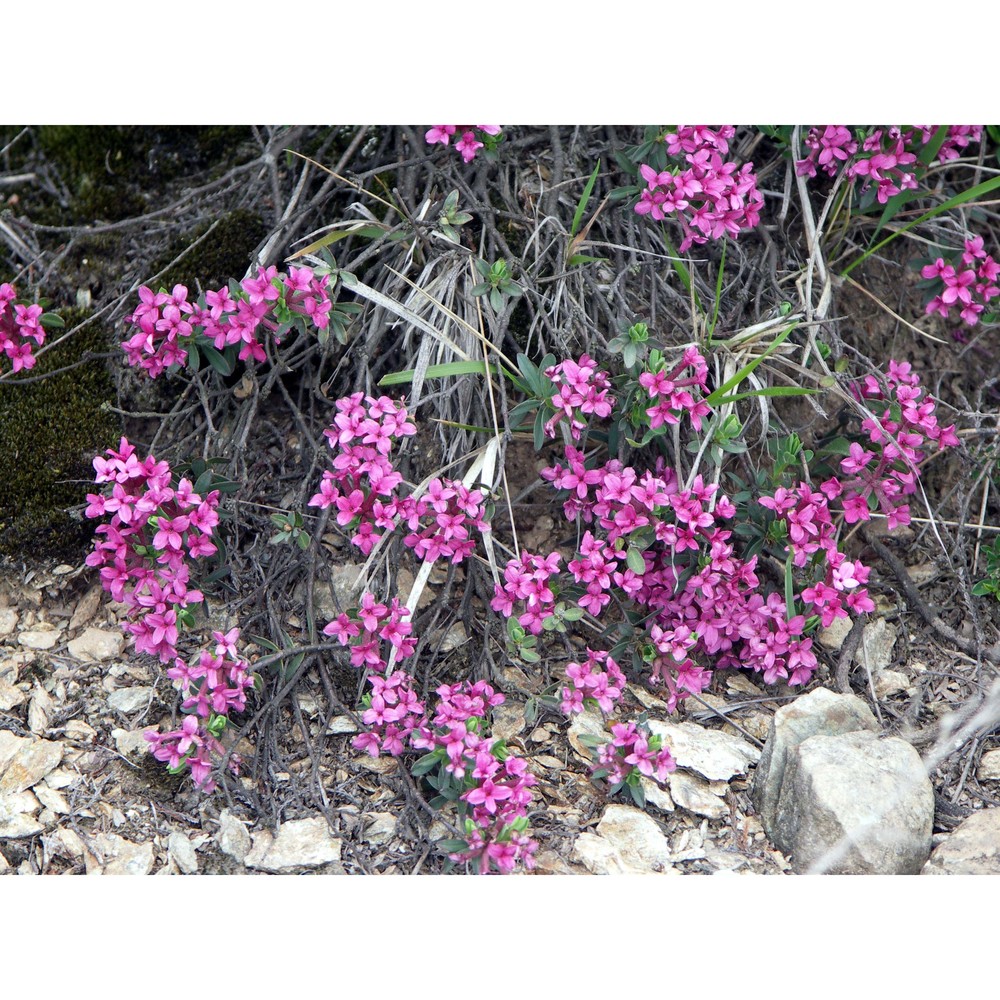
column 50, row 431
column 224, row 253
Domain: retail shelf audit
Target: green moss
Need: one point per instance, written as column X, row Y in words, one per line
column 50, row 431
column 225, row 253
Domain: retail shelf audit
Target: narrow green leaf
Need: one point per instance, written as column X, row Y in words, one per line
column 584, row 198
column 447, row 370
column 722, row 391
column 775, row 390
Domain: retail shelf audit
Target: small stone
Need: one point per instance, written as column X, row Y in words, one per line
column 341, row 724
column 182, row 851
column 636, row 837
column 656, row 795
column 129, row 700
column 508, row 721
column 300, row 843
column 132, row 743
column 87, row 607
column 989, row 766
column 8, row 621
column 10, row 696
column 51, row 799
column 835, row 635
column 39, row 638
column 380, row 828
column 877, row 643
column 698, row 796
column 233, row 838
column 40, row 709
column 599, row 856
column 713, row 754
column 96, row 644
column 117, row 856
column 77, row 729
column 891, row 682
column 972, row 848
column 69, row 844
column 25, row 761
column 586, row 724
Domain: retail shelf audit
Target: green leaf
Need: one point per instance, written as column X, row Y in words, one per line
column 302, row 540
column 219, row 362
column 426, row 764
column 52, row 321
column 723, row 390
column 635, row 562
column 496, row 300
column 584, row 198
column 774, row 390
column 539, row 430
column 194, row 356
column 583, row 258
column 447, row 370
column 452, row 846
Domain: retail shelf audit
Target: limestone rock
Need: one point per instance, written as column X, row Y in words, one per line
column 25, row 761
column 8, row 621
column 877, row 643
column 713, row 754
column 300, row 843
column 183, row 854
column 698, row 796
column 233, row 838
column 852, row 804
column 131, row 699
column 114, row 855
column 972, row 848
column 42, row 637
column 132, row 743
column 636, row 837
column 599, row 856
column 96, row 644
column 10, row 696
column 989, row 766
column 820, row 711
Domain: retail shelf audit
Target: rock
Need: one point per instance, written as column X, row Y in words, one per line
column 877, row 643
column 380, row 828
column 300, row 843
column 890, row 682
column 636, row 837
column 854, row 804
column 508, row 721
column 836, row 634
column 43, row 637
column 130, row 700
column 96, row 644
column 87, row 607
column 10, row 696
column 8, row 621
column 820, row 711
column 40, row 709
column 713, row 754
column 598, row 856
column 51, row 799
column 233, row 838
column 183, row 853
column 698, row 796
column 656, row 795
column 989, row 766
column 114, row 855
column 341, row 724
column 586, row 724
column 972, row 848
column 132, row 743
column 25, row 761
column 78, row 730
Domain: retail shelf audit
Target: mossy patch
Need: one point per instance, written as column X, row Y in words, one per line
column 50, row 431
column 224, row 253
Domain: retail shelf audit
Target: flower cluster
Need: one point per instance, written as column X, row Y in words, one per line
column 669, row 390
column 597, row 679
column 363, row 486
column 582, row 390
column 967, row 283
column 468, row 144
column 212, row 686
column 883, row 154
column 710, row 197
column 491, row 788
column 878, row 479
column 632, row 751
column 268, row 304
column 20, row 329
column 154, row 530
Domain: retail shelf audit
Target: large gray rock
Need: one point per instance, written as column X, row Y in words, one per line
column 854, row 804
column 819, row 712
column 300, row 843
column 973, row 848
